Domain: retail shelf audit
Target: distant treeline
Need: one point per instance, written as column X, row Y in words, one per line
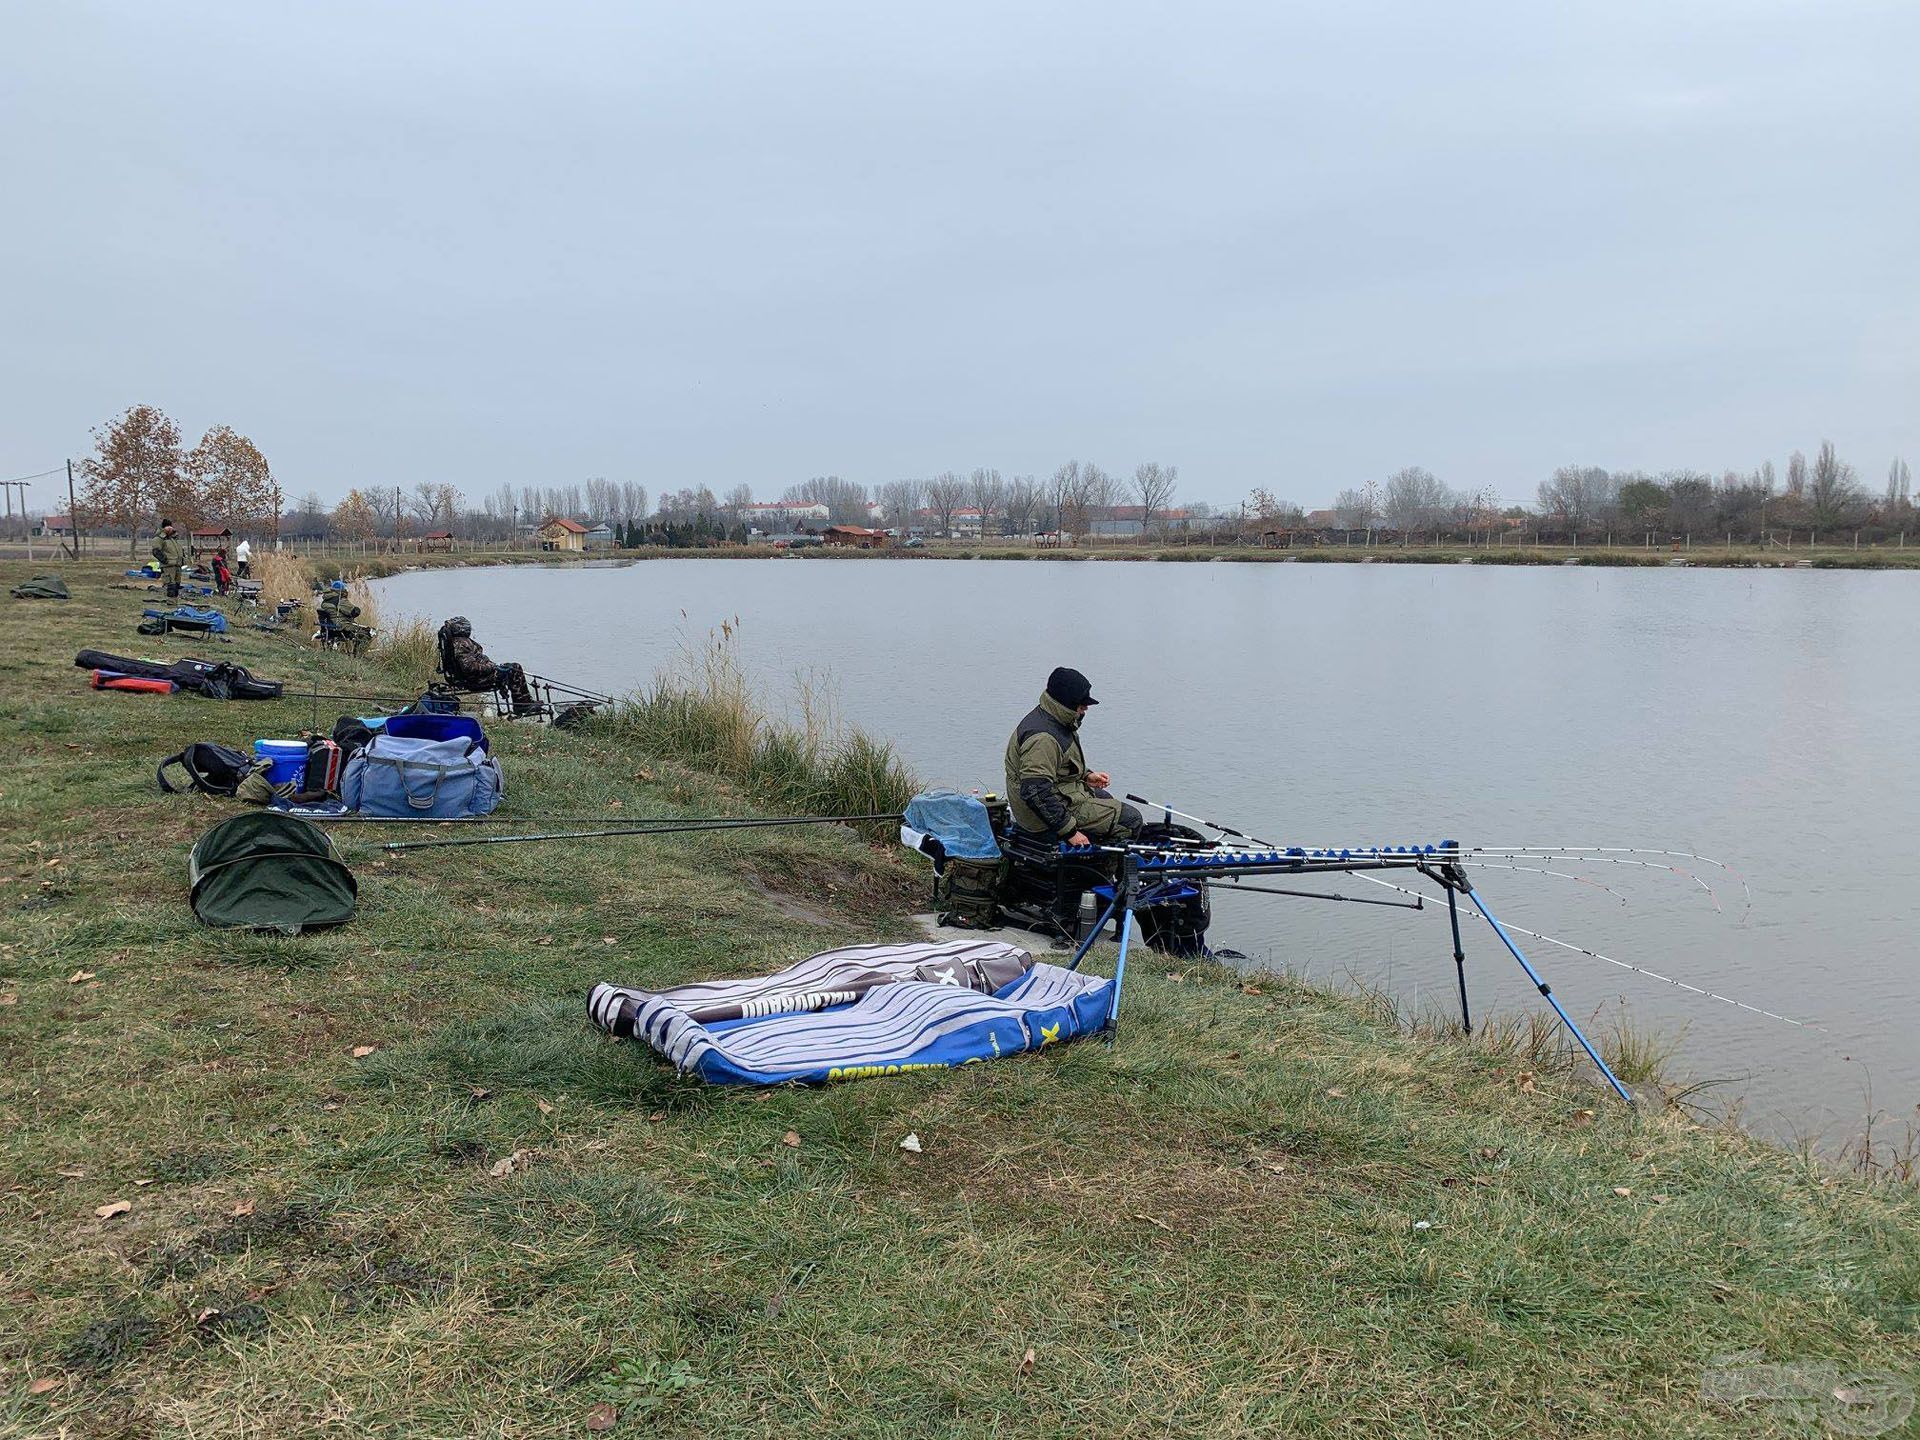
column 140, row 472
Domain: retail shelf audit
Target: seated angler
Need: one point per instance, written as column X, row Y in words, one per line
column 339, row 614
column 467, row 666
column 1049, row 788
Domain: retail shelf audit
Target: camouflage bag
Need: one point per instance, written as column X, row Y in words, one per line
column 967, row 893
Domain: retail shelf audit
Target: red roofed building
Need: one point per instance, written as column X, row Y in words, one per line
column 560, row 533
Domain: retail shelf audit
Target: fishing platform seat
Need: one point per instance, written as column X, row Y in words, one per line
column 863, row 1011
column 348, row 635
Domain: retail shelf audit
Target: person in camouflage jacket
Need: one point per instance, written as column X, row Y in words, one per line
column 170, row 554
column 468, row 666
column 1049, row 788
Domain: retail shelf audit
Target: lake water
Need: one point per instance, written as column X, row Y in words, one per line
column 1766, row 719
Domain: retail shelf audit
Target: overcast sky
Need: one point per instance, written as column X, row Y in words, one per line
column 1279, row 245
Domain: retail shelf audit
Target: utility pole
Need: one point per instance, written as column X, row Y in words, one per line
column 73, row 513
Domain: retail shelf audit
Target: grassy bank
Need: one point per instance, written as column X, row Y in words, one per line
column 1265, row 1209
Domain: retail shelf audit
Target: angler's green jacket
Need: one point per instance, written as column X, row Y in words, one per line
column 1046, row 776
column 169, row 553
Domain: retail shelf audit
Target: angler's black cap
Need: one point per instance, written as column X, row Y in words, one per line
column 1070, row 688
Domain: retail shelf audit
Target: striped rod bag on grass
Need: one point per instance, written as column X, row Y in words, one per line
column 861, row 1011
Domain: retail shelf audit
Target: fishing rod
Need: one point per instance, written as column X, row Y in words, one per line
column 1418, row 902
column 566, row 689
column 1623, row 964
column 669, row 827
column 1597, row 854
column 1209, row 824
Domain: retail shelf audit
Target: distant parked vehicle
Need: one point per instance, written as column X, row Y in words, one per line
column 913, row 542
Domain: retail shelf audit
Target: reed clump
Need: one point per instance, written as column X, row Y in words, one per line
column 410, row 650
column 283, row 576
column 702, row 712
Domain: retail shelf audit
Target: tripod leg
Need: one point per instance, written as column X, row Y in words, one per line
column 1459, row 961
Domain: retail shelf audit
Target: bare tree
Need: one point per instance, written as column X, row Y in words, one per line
column 1101, row 490
column 901, row 500
column 602, row 497
column 946, row 493
column 1796, row 475
column 1154, row 485
column 1415, row 499
column 1355, row 508
column 1066, row 496
column 135, row 467
column 1577, row 495
column 846, row 501
column 1899, row 483
column 1023, row 504
column 988, row 493
column 1833, row 491
column 633, row 502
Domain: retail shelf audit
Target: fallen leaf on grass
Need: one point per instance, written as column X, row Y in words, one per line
column 602, row 1416
column 609, row 940
column 507, row 1164
column 911, row 1144
column 1660, row 1199
column 614, row 804
column 44, row 1384
column 1526, row 1081
column 113, row 1208
column 545, row 1108
column 1334, row 1092
column 76, row 1173
column 791, row 1139
column 1490, row 1153
column 9, row 999
column 243, row 1209
column 1581, row 1117
column 656, row 1117
column 360, row 1052
column 478, row 1092
column 78, row 976
column 142, row 1184
column 1623, row 1191
column 1251, row 990
column 1026, row 1364
column 1178, row 977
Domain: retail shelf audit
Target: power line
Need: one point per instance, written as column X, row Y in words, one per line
column 21, row 479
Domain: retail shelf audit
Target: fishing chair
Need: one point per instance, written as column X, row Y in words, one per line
column 343, row 636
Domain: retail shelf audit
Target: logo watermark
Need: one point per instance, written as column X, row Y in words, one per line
column 1821, row 1396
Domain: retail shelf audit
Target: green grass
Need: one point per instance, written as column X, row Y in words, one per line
column 1267, row 1209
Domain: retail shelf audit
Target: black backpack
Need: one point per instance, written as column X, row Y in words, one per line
column 211, row 769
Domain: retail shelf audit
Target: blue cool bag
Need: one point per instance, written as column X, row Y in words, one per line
column 417, row 779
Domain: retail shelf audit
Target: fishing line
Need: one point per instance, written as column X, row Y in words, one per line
column 1623, row 964
column 669, row 827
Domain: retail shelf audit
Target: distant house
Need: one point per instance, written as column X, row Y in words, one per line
column 600, row 537
column 54, row 527
column 560, row 533
column 437, row 540
column 859, row 537
column 212, row 539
